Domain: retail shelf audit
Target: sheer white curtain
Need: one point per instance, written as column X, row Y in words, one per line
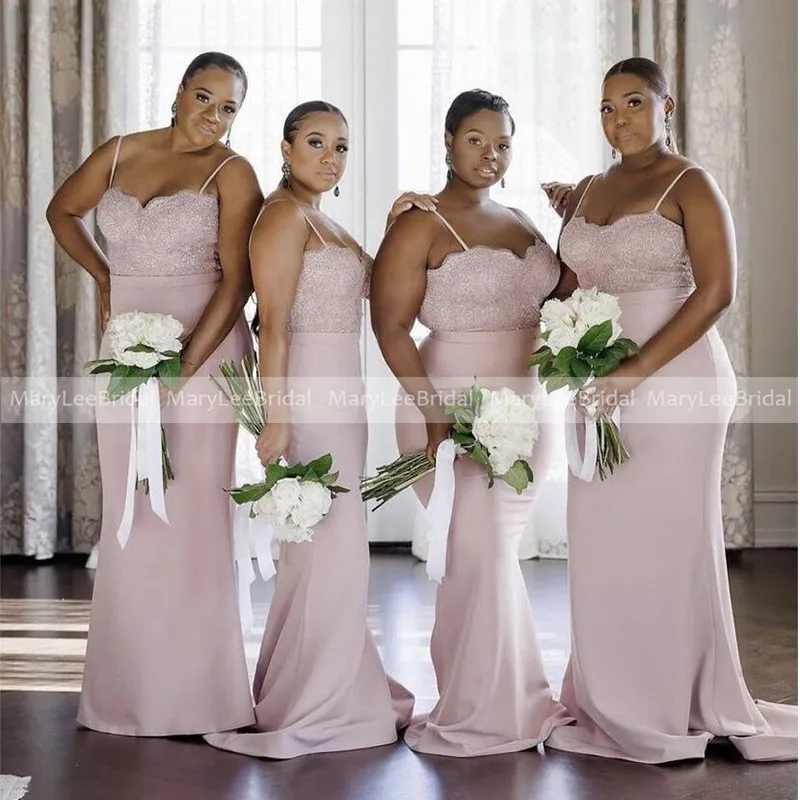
column 546, row 57
column 279, row 44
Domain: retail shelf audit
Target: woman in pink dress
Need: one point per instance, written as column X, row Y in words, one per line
column 319, row 684
column 654, row 671
column 165, row 654
column 475, row 273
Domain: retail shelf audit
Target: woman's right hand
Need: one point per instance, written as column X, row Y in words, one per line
column 558, row 195
column 438, row 431
column 104, row 303
column 273, row 442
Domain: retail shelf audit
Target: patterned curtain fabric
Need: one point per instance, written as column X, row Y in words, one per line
column 700, row 44
column 67, row 83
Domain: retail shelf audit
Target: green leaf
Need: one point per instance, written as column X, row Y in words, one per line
column 475, row 400
column 630, row 346
column 322, row 465
column 464, row 416
column 248, row 493
column 605, row 365
column 140, row 348
column 125, row 379
column 546, row 370
column 544, row 353
column 594, row 341
column 518, row 477
column 170, row 372
column 99, row 367
column 563, row 359
column 463, row 438
column 579, row 368
column 555, row 383
column 338, row 489
column 274, row 473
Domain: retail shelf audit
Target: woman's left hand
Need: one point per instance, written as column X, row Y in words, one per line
column 409, row 200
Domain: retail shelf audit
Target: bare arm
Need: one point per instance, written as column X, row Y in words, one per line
column 239, row 200
column 78, row 195
column 276, row 250
column 712, row 250
column 399, row 280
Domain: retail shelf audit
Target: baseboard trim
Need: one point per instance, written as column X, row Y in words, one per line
column 776, row 517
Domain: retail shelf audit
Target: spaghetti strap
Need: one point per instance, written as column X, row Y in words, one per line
column 114, row 163
column 452, row 230
column 580, row 202
column 670, row 187
column 285, row 200
column 214, row 173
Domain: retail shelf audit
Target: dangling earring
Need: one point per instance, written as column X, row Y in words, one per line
column 228, row 140
column 668, row 128
column 614, row 154
column 336, row 191
column 286, row 174
column 174, row 114
column 502, row 183
column 449, row 161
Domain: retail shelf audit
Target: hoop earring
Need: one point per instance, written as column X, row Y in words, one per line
column 287, row 172
column 174, row 119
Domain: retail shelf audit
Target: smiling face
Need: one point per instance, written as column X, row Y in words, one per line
column 480, row 149
column 208, row 104
column 633, row 114
column 317, row 155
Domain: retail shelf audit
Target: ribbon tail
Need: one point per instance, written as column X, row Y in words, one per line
column 245, row 574
column 150, row 446
column 124, row 530
column 440, row 510
column 261, row 536
column 582, row 467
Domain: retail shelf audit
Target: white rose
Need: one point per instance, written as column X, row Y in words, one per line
column 560, row 338
column 558, row 314
column 290, row 532
column 163, row 332
column 507, row 428
column 286, row 494
column 314, row 504
column 143, row 360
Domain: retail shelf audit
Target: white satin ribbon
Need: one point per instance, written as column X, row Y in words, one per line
column 144, row 457
column 440, row 510
column 583, row 467
column 250, row 534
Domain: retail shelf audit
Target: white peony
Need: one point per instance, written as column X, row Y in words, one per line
column 560, row 338
column 314, row 503
column 163, row 333
column 557, row 314
column 143, row 360
column 294, row 507
column 506, row 427
column 594, row 307
column 126, row 330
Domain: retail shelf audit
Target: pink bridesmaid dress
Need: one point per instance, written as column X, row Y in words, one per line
column 165, row 654
column 319, row 683
column 482, row 308
column 654, row 671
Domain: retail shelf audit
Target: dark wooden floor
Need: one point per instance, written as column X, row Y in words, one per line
column 43, row 619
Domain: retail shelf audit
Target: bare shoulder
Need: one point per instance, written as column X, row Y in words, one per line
column 414, row 224
column 696, row 185
column 279, row 213
column 238, row 172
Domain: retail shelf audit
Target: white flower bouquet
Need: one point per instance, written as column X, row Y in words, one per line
column 497, row 428
column 145, row 348
column 583, row 340
column 292, row 499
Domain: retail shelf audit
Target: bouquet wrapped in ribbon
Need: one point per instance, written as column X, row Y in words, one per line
column 496, row 428
column 583, row 340
column 145, row 348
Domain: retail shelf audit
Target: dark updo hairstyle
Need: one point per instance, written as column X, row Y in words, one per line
column 290, row 127
column 651, row 73
column 295, row 119
column 467, row 103
column 214, row 59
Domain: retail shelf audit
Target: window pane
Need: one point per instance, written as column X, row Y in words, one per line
column 415, row 22
column 414, row 136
